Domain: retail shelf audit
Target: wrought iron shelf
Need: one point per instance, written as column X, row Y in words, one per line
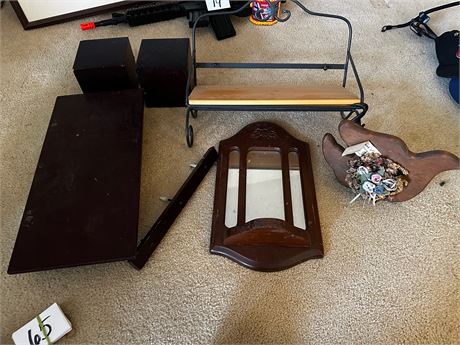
column 354, row 111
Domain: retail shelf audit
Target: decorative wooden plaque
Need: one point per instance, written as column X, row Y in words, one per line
column 422, row 167
column 266, row 174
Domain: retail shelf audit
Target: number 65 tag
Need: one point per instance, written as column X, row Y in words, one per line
column 47, row 328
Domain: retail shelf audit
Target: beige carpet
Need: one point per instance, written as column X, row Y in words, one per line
column 390, row 274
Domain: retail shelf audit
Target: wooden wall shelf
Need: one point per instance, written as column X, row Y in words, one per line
column 422, row 166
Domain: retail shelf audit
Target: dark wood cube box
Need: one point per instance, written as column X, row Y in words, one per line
column 105, row 65
column 162, row 68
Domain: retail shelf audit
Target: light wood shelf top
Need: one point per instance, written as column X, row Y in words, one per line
column 271, row 95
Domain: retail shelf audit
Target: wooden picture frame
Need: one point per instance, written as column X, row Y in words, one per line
column 86, row 12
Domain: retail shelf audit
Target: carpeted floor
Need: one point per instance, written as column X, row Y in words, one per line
column 390, row 274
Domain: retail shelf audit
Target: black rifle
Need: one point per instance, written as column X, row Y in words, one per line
column 221, row 24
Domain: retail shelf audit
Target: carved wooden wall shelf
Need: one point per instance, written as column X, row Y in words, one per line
column 265, row 212
column 422, row 166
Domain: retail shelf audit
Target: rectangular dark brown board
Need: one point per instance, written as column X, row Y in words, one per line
column 83, row 206
column 169, row 215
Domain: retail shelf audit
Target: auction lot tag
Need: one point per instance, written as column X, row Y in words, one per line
column 47, row 328
column 214, row 5
column 360, row 149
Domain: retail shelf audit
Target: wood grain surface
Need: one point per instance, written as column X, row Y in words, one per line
column 271, row 95
column 422, row 166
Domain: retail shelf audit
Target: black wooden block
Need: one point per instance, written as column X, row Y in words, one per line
column 105, row 65
column 162, row 68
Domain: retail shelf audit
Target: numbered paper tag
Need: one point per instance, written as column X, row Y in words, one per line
column 214, row 5
column 50, row 326
column 360, row 149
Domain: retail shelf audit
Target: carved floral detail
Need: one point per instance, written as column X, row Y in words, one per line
column 264, row 133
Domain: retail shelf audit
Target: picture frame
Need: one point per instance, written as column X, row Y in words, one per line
column 63, row 11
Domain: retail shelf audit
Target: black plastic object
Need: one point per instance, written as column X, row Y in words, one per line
column 151, row 14
column 83, row 206
column 169, row 215
column 447, row 51
column 105, row 65
column 419, row 24
column 162, row 67
column 193, row 10
column 222, row 27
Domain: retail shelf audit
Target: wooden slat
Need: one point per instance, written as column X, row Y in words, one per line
column 271, row 95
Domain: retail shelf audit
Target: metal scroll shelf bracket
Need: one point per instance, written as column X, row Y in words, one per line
column 354, row 110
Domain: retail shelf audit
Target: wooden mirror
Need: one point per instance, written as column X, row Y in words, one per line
column 265, row 212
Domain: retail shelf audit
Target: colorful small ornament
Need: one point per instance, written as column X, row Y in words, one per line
column 375, row 178
column 368, row 187
column 262, row 13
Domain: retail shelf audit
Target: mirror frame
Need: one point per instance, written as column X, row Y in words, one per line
column 266, row 244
